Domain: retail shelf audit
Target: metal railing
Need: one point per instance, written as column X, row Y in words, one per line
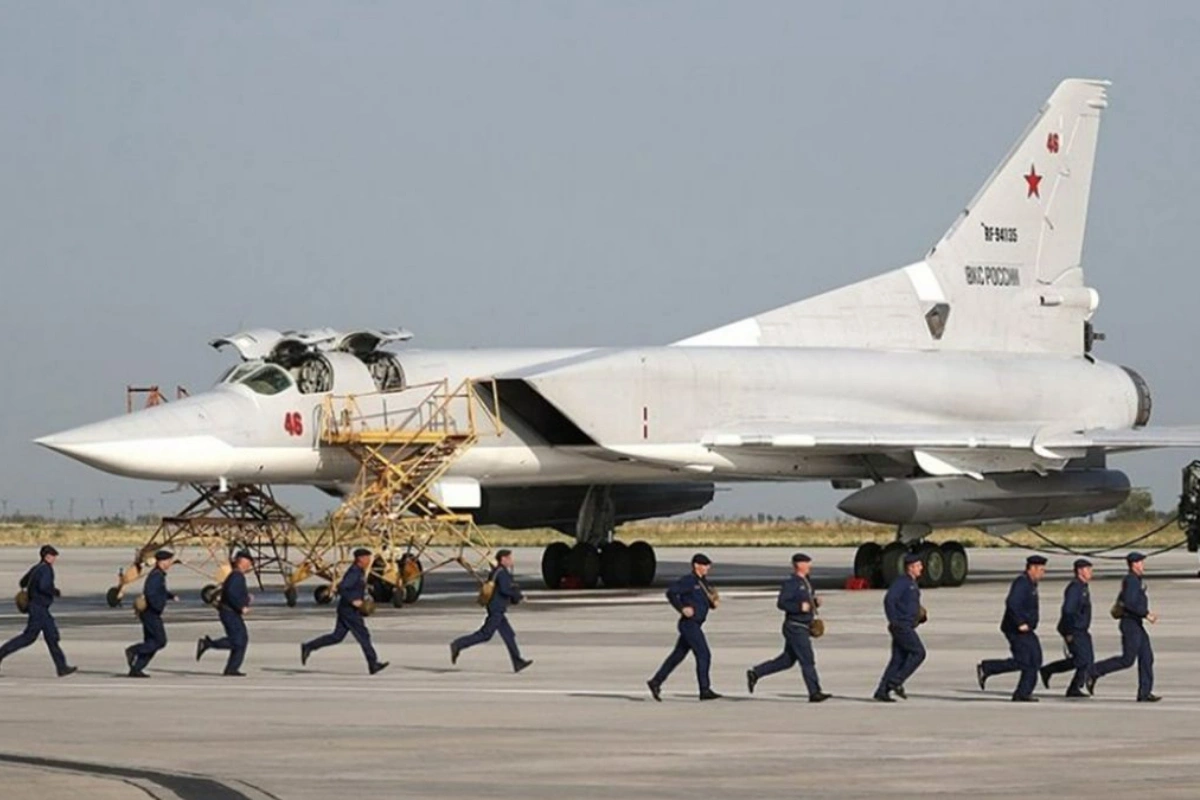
column 424, row 411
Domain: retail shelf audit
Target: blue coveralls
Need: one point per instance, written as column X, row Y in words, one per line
column 902, row 607
column 797, row 638
column 687, row 592
column 1135, row 642
column 1021, row 608
column 506, row 593
column 234, row 597
column 1074, row 625
column 39, row 584
column 353, row 586
column 154, row 634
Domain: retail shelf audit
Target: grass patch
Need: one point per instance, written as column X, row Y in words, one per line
column 681, row 533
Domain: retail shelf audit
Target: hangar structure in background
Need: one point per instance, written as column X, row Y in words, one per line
column 962, row 388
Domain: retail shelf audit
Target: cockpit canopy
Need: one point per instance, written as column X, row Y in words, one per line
column 273, row 360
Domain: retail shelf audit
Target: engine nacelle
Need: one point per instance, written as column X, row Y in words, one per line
column 1022, row 497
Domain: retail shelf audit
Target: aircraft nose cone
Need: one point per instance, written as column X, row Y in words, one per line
column 182, row 441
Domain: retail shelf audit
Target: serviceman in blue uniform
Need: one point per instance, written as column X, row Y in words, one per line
column 1074, row 625
column 1019, row 626
column 154, row 634
column 233, row 606
column 1135, row 641
column 902, row 607
column 352, row 589
column 691, row 597
column 799, row 603
column 39, row 583
column 506, row 594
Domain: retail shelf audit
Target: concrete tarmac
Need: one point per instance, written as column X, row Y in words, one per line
column 579, row 722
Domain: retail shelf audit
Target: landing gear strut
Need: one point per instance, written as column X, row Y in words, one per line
column 944, row 565
column 597, row 557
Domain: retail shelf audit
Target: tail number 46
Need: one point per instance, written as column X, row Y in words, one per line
column 293, row 423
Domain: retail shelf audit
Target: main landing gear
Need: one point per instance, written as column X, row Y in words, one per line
column 615, row 564
column 944, row 565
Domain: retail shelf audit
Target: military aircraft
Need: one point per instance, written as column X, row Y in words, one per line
column 961, row 387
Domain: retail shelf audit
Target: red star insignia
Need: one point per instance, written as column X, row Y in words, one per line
column 1033, row 179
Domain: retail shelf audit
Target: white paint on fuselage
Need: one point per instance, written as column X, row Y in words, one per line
column 651, row 409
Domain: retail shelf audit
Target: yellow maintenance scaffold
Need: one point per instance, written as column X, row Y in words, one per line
column 404, row 442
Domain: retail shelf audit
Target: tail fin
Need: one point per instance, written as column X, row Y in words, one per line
column 1030, row 214
column 1006, row 277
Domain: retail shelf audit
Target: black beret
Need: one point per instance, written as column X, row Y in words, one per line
column 911, row 558
column 502, row 553
column 361, row 551
column 163, row 555
column 243, row 554
column 1135, row 557
column 1080, row 563
column 47, row 550
column 1035, row 560
column 700, row 558
column 801, row 558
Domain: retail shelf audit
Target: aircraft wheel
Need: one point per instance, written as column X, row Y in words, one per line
column 643, row 564
column 616, row 567
column 934, row 564
column 584, row 563
column 413, row 574
column 868, row 563
column 957, row 564
column 290, row 595
column 210, row 593
column 554, row 564
column 891, row 562
column 323, row 595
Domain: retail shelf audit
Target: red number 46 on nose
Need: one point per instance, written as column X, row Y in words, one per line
column 293, row 423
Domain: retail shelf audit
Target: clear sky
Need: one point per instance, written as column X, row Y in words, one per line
column 540, row 174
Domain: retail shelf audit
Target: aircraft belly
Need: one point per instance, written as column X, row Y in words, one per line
column 531, row 466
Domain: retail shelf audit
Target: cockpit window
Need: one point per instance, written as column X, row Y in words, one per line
column 239, row 371
column 267, row 380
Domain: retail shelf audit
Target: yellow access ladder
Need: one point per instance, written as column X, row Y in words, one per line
column 404, row 441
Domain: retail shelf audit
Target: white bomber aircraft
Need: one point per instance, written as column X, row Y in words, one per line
column 962, row 387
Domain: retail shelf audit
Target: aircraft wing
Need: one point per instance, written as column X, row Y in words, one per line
column 954, row 450
column 834, row 436
column 868, row 438
column 1147, row 438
